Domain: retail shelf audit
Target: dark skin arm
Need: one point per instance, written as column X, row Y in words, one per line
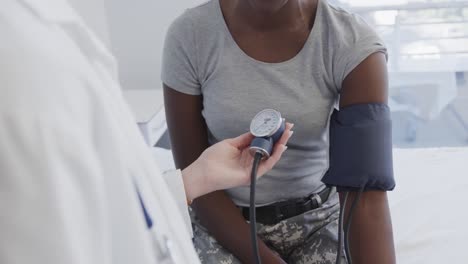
column 371, row 235
column 189, row 138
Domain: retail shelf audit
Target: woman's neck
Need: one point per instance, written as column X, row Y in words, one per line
column 291, row 14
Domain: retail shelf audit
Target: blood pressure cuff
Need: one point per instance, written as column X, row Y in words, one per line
column 361, row 149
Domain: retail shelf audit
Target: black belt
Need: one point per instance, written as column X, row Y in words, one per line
column 274, row 213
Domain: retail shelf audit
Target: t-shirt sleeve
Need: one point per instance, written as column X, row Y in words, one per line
column 358, row 41
column 179, row 65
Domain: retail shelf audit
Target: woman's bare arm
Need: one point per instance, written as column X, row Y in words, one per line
column 371, row 235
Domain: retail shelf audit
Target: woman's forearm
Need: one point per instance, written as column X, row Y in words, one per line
column 371, row 235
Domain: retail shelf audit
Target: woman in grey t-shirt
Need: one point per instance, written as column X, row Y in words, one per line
column 224, row 61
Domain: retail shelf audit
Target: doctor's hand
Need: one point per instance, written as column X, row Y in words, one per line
column 228, row 164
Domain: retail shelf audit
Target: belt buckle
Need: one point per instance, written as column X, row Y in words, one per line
column 317, row 199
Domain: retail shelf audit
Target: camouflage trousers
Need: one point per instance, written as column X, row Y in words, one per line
column 309, row 238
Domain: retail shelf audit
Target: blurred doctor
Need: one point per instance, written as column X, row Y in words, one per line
column 77, row 183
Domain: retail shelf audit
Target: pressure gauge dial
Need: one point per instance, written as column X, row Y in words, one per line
column 266, row 123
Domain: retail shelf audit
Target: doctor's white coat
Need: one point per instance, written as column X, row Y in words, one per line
column 72, row 163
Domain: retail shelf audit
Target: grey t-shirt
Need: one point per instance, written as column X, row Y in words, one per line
column 201, row 58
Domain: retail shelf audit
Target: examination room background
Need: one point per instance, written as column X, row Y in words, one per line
column 428, row 48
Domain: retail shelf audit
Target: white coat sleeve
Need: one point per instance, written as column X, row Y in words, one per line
column 174, row 181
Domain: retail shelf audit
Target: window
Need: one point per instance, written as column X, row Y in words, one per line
column 428, row 64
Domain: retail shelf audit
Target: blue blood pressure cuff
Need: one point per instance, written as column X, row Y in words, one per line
column 361, row 149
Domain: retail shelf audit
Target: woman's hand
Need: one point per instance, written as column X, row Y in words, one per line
column 228, row 164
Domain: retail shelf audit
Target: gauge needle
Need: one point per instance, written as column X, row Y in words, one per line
column 264, row 123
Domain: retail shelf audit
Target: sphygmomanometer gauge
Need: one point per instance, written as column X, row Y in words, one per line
column 266, row 123
column 267, row 127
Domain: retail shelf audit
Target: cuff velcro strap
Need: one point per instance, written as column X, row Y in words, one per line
column 361, row 148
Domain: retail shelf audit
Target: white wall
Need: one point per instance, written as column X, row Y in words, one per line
column 134, row 31
column 137, row 29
